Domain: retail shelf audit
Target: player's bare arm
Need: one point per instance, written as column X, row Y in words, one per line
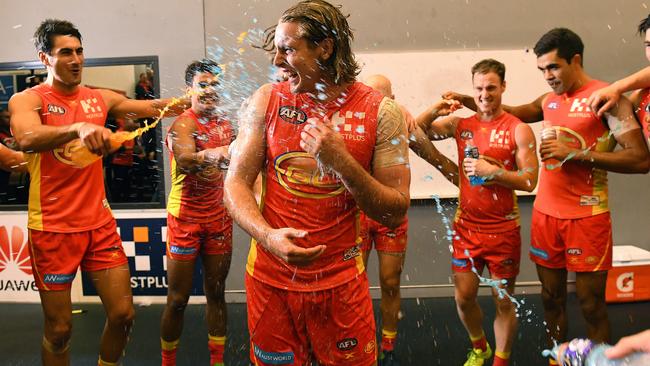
column 384, row 195
column 420, row 143
column 441, row 108
column 33, row 136
column 246, row 163
column 120, row 106
column 12, row 161
column 606, row 98
column 529, row 113
column 184, row 148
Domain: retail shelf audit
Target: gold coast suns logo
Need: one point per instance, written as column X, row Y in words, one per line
column 64, row 153
column 571, row 138
column 299, row 174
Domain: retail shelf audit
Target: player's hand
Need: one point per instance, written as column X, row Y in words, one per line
column 321, row 141
column 280, row 243
column 555, row 149
column 603, row 99
column 411, row 124
column 639, row 342
column 214, row 156
column 451, row 95
column 96, row 139
column 479, row 167
column 445, row 107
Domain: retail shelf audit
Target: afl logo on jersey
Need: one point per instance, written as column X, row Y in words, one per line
column 292, row 115
column 55, row 109
column 553, row 105
column 466, row 134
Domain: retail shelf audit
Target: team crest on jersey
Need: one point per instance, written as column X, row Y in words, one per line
column 553, row 105
column 55, row 109
column 466, row 134
column 292, row 115
column 352, row 252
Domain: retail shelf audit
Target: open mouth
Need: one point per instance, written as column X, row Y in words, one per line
column 208, row 99
column 291, row 76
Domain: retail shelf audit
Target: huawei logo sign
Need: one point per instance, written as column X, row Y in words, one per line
column 13, row 250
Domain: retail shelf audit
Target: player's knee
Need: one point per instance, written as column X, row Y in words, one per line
column 465, row 299
column 593, row 309
column 504, row 306
column 552, row 298
column 122, row 317
column 177, row 302
column 390, row 283
column 58, row 336
column 215, row 293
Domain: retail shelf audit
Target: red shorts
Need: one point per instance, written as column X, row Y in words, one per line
column 579, row 245
column 336, row 326
column 56, row 257
column 384, row 239
column 185, row 239
column 500, row 251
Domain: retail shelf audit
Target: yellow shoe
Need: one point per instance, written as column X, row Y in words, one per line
column 476, row 357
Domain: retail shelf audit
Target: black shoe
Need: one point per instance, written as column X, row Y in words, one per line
column 387, row 358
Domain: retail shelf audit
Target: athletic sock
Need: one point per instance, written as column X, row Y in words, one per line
column 101, row 362
column 388, row 338
column 479, row 342
column 501, row 359
column 552, row 362
column 168, row 352
column 216, row 345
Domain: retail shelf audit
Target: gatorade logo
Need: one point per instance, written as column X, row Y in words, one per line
column 13, row 250
column 625, row 282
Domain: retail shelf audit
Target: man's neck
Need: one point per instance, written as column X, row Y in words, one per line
column 60, row 87
column 490, row 115
column 580, row 81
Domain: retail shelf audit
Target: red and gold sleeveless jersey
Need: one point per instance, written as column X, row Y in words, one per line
column 199, row 197
column 298, row 194
column 62, row 197
column 643, row 114
column 489, row 207
column 575, row 190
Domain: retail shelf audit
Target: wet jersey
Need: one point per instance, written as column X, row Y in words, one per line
column 575, row 190
column 643, row 114
column 489, row 207
column 62, row 197
column 198, row 197
column 296, row 193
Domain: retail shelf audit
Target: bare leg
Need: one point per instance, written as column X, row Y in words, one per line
column 114, row 288
column 590, row 288
column 505, row 321
column 57, row 311
column 554, row 295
